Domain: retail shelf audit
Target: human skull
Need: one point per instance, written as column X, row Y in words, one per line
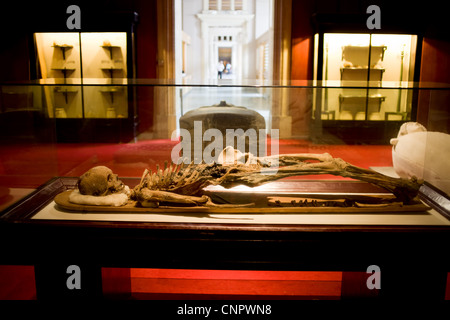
column 99, row 181
column 230, row 156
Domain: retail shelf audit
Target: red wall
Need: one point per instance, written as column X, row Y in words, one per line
column 302, row 35
column 302, row 58
column 434, row 105
column 435, row 65
column 146, row 42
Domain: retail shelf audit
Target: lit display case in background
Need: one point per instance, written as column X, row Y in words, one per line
column 369, row 68
column 103, row 50
column 100, row 55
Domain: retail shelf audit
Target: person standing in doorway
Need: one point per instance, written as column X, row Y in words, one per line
column 228, row 68
column 220, row 68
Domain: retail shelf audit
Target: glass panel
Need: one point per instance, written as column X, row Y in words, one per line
column 226, row 5
column 238, row 4
column 275, row 118
column 105, row 56
column 392, row 105
column 213, row 5
column 58, row 56
column 66, row 102
column 397, row 58
column 345, row 53
column 345, row 59
column 366, row 60
column 394, row 61
column 72, row 56
column 433, row 146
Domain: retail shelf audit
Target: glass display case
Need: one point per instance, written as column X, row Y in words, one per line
column 290, row 194
column 379, row 60
column 65, row 56
column 84, row 55
column 253, row 104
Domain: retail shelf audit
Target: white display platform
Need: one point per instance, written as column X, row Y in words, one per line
column 426, row 218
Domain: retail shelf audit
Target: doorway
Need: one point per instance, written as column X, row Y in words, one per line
column 233, row 29
column 206, row 32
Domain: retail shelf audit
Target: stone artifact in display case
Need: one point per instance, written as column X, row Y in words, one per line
column 237, row 125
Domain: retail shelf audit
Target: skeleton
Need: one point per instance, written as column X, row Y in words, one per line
column 183, row 184
column 100, row 181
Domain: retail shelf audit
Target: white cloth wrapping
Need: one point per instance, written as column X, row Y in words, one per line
column 116, row 199
column 422, row 154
